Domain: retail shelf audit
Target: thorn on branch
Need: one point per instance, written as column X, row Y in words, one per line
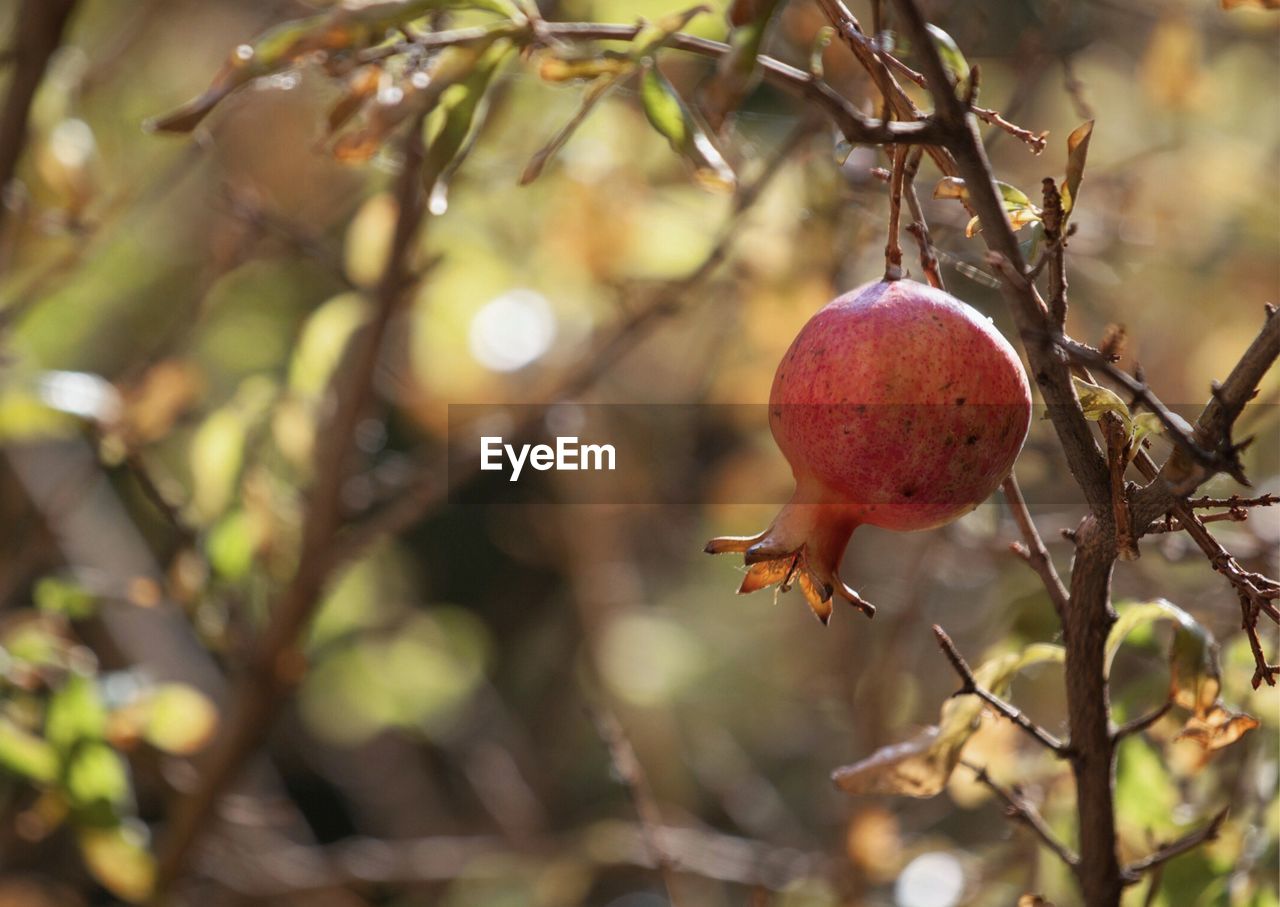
column 970, row 687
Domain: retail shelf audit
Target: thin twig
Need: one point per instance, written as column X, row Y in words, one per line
column 1142, row 722
column 1134, row 871
column 1020, row 810
column 1014, row 714
column 893, row 246
column 919, row 226
column 1034, row 552
column 627, row 765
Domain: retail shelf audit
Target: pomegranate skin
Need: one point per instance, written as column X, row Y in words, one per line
column 897, row 406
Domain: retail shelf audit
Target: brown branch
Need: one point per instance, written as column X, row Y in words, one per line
column 1235, row 502
column 893, row 246
column 1169, row 525
column 1134, row 871
column 1020, row 810
column 629, row 770
column 970, row 687
column 278, row 661
column 1182, row 474
column 1034, row 552
column 1090, row 616
column 36, row 35
column 919, row 227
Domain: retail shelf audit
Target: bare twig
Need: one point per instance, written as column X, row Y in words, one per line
column 1014, row 714
column 1034, row 552
column 629, row 770
column 1134, row 871
column 1235, row 502
column 919, row 227
column 1020, row 810
column 1142, row 722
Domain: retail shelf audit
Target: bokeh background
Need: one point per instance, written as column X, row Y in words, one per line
column 171, row 310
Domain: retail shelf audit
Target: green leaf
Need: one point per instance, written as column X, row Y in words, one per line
column 118, row 858
column 673, row 120
column 1077, row 152
column 179, row 719
column 921, row 766
column 952, row 58
column 1016, row 204
column 738, row 70
column 75, row 714
column 59, row 595
column 454, row 124
column 26, row 755
column 97, row 781
column 1096, row 400
column 653, row 35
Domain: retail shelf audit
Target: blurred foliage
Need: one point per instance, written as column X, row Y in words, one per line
column 180, row 305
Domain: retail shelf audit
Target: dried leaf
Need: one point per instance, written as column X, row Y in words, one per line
column 1258, row 4
column 555, row 68
column 361, row 86
column 1194, row 681
column 1077, row 153
column 674, row 121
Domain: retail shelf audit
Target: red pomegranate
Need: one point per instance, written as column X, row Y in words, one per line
column 897, row 406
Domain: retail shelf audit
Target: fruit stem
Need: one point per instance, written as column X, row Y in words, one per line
column 893, row 247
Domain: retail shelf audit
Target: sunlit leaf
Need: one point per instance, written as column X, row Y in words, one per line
column 97, row 780
column 118, row 858
column 1259, row 4
column 1096, row 400
column 342, row 28
column 555, row 68
column 75, row 713
column 674, row 121
column 1077, row 153
column 952, row 58
column 455, row 123
column 922, row 766
column 653, row 35
column 216, row 455
column 179, row 719
column 26, row 755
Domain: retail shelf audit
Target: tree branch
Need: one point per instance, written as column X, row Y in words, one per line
column 1134, row 871
column 970, row 687
column 1034, row 551
column 1022, row 811
column 278, row 661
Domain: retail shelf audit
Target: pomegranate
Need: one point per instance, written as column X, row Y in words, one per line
column 897, row 406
